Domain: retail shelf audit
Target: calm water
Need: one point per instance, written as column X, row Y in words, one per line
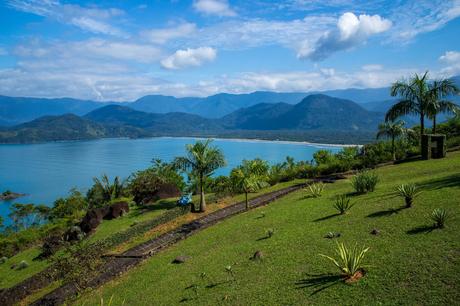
column 48, row 171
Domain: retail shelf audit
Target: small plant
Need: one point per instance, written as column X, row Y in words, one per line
column 350, row 261
column 331, row 235
column 316, row 189
column 439, row 216
column 3, row 260
column 342, row 204
column 365, row 181
column 229, row 270
column 408, row 192
column 270, row 232
column 22, row 265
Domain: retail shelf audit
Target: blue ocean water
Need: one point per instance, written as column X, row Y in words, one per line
column 48, row 171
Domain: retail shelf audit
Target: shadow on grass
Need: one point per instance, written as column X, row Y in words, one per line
column 386, row 213
column 319, row 282
column 326, row 218
column 443, row 182
column 263, row 238
column 424, row 229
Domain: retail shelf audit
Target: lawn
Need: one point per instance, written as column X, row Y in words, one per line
column 409, row 263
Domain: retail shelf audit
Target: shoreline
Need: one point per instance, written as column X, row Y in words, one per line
column 293, row 142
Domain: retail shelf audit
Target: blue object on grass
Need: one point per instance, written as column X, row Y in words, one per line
column 185, row 200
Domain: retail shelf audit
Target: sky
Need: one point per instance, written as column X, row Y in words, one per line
column 122, row 50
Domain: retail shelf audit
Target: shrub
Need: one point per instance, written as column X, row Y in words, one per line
column 22, row 265
column 316, row 189
column 365, row 181
column 408, row 192
column 3, row 260
column 439, row 216
column 342, row 204
column 270, row 232
column 350, row 259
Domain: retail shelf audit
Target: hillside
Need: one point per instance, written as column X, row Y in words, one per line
column 317, row 118
column 315, row 112
column 403, row 266
column 64, row 127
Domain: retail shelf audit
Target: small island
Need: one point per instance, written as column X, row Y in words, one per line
column 9, row 195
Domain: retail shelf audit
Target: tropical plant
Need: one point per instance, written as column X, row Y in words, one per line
column 419, row 97
column 70, row 208
column 103, row 190
column 365, row 181
column 440, row 89
column 27, row 215
column 250, row 176
column 408, row 192
column 201, row 161
column 392, row 130
column 350, row 259
column 342, row 204
column 439, row 216
column 316, row 189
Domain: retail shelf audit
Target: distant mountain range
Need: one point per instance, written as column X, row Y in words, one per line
column 16, row 110
column 316, row 117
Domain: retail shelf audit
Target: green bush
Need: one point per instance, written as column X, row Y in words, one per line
column 365, row 181
column 342, row 204
column 439, row 216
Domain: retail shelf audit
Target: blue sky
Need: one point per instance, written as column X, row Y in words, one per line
column 122, row 50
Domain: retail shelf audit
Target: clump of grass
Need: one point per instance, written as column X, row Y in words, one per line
column 342, row 204
column 22, row 265
column 3, row 260
column 439, row 216
column 408, row 192
column 350, row 260
column 365, row 181
column 331, row 235
column 270, row 232
column 229, row 270
column 316, row 189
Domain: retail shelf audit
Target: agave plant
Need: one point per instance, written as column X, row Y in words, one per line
column 408, row 192
column 316, row 189
column 342, row 204
column 350, row 260
column 439, row 216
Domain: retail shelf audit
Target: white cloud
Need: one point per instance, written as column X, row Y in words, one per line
column 351, row 31
column 94, row 20
column 161, row 36
column 189, row 58
column 452, row 61
column 372, row 67
column 214, row 7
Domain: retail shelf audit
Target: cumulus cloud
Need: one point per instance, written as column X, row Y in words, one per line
column 214, row 7
column 452, row 60
column 93, row 20
column 161, row 36
column 351, row 31
column 189, row 58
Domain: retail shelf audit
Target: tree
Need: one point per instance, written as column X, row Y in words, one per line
column 440, row 89
column 250, row 176
column 392, row 130
column 201, row 161
column 103, row 191
column 415, row 98
column 70, row 208
column 27, row 215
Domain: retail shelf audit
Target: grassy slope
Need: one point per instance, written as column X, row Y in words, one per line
column 10, row 277
column 408, row 264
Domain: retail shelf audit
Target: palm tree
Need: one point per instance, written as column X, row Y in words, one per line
column 440, row 89
column 392, row 130
column 201, row 160
column 250, row 176
column 103, row 191
column 415, row 98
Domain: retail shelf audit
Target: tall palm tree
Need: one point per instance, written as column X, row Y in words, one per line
column 202, row 160
column 392, row 130
column 440, row 89
column 415, row 99
column 250, row 176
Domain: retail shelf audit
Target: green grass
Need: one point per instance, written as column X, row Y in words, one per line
column 409, row 263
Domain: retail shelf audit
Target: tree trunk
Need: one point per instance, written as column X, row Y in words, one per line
column 247, row 202
column 434, row 124
column 422, row 126
column 393, row 153
column 202, row 197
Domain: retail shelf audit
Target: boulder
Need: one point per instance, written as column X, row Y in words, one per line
column 258, row 255
column 117, row 210
column 180, row 259
column 94, row 216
